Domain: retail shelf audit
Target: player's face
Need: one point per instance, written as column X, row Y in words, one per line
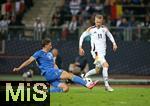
column 49, row 46
column 81, row 53
column 98, row 22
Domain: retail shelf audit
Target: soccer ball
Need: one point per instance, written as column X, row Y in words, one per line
column 88, row 80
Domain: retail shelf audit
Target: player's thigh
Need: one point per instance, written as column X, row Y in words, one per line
column 100, row 61
column 65, row 75
column 53, row 74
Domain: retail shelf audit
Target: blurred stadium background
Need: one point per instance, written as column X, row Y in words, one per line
column 63, row 21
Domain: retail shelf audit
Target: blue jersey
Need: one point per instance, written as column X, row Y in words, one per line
column 45, row 60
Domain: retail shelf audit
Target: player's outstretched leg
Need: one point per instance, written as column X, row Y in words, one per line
column 78, row 80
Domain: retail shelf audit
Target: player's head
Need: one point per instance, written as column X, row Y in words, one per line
column 81, row 53
column 98, row 20
column 46, row 43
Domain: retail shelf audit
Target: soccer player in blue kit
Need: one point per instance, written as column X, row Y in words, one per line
column 49, row 70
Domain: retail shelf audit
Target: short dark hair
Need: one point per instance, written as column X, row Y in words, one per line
column 99, row 16
column 45, row 42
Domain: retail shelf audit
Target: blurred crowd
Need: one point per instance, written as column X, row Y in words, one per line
column 117, row 13
column 113, row 10
column 11, row 14
column 71, row 15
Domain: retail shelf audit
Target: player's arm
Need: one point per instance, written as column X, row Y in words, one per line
column 55, row 65
column 24, row 64
column 84, row 34
column 110, row 36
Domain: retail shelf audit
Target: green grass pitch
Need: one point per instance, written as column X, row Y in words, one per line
column 80, row 96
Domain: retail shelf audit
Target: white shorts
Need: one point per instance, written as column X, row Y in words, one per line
column 100, row 58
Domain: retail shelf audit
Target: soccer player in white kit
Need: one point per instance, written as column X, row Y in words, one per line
column 98, row 35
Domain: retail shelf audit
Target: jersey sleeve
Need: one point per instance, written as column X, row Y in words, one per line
column 110, row 36
column 84, row 34
column 36, row 55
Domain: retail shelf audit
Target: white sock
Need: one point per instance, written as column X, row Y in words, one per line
column 91, row 72
column 105, row 76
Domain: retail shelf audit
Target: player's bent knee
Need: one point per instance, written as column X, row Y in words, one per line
column 66, row 89
column 66, row 75
column 106, row 65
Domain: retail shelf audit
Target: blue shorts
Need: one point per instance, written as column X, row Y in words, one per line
column 53, row 76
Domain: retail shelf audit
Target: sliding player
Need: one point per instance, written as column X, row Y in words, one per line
column 53, row 75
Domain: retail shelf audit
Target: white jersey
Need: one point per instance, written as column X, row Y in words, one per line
column 98, row 39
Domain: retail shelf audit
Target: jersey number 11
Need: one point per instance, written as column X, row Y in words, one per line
column 99, row 36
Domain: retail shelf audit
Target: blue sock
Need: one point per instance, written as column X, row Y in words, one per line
column 55, row 89
column 78, row 80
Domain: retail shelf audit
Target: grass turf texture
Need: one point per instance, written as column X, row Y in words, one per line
column 80, row 96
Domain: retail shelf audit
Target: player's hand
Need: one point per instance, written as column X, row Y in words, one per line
column 81, row 51
column 114, row 47
column 16, row 69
